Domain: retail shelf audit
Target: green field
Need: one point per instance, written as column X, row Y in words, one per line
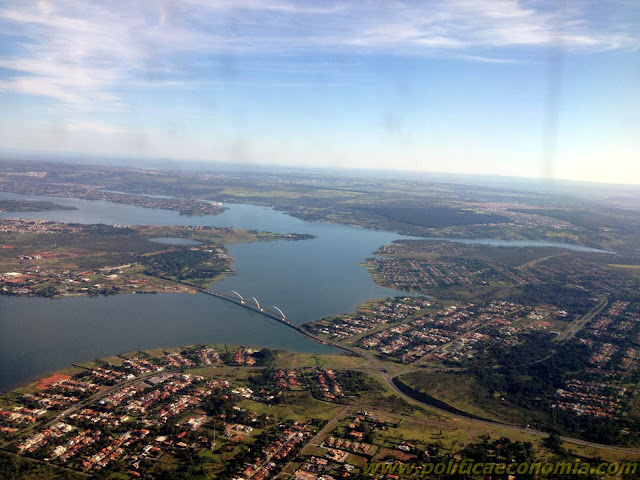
column 463, row 391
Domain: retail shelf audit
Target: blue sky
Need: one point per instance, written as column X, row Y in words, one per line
column 527, row 88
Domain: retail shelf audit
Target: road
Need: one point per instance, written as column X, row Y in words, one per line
column 515, row 428
column 319, row 437
column 331, row 425
column 579, row 324
column 375, row 365
column 271, row 455
column 60, row 416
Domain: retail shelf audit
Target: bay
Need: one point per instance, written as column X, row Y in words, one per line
column 307, row 279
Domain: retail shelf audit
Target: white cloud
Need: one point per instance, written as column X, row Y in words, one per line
column 85, row 54
column 283, row 7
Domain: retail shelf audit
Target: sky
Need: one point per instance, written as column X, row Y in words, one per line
column 503, row 87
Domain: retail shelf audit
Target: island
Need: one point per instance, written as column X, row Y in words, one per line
column 31, row 206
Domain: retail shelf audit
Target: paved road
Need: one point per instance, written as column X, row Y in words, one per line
column 579, row 324
column 317, row 440
column 530, row 431
column 331, row 425
column 376, row 366
column 60, row 416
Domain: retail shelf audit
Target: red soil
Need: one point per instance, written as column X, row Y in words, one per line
column 45, row 383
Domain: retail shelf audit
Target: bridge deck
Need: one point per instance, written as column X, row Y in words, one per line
column 249, row 305
column 254, row 308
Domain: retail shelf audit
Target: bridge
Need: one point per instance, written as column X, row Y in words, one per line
column 252, row 304
column 271, row 311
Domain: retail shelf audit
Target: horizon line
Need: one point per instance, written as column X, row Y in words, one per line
column 145, row 158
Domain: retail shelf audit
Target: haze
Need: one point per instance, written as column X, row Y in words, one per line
column 520, row 88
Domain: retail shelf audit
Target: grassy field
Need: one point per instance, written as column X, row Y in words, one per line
column 298, row 406
column 12, row 466
column 627, row 269
column 463, row 392
column 303, row 360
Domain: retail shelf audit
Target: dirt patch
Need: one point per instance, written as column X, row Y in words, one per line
column 45, row 383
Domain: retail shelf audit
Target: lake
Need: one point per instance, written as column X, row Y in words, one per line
column 307, row 279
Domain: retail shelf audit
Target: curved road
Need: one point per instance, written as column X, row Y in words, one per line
column 375, row 364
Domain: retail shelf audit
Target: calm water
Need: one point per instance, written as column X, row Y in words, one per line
column 307, row 279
